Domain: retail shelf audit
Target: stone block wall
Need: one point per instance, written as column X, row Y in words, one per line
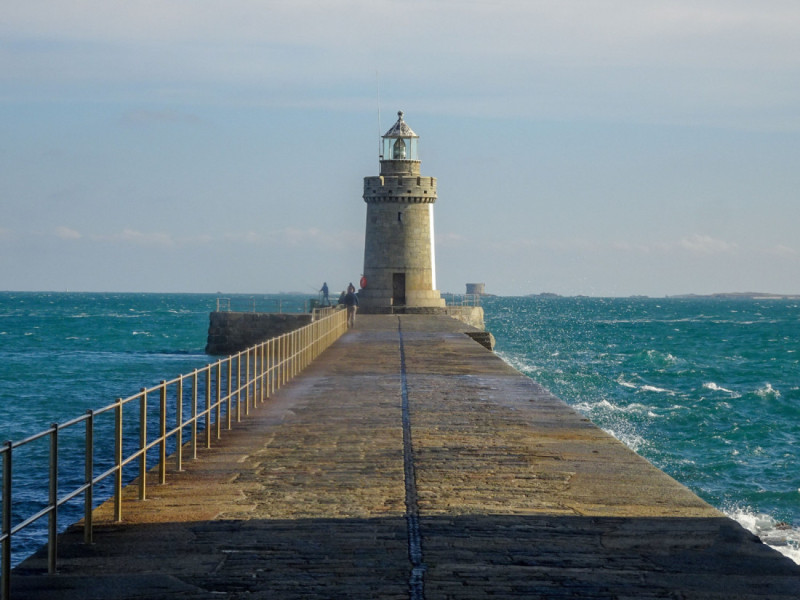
column 232, row 332
column 471, row 315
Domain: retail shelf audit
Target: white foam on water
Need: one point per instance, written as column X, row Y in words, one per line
column 632, row 440
column 588, row 407
column 778, row 535
column 652, row 388
column 521, row 365
column 623, row 383
column 768, row 390
column 717, row 388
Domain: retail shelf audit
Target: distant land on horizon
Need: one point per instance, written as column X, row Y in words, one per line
column 719, row 295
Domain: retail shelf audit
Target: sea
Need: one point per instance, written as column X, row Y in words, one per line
column 707, row 389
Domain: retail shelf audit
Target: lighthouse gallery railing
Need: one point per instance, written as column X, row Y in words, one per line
column 227, row 389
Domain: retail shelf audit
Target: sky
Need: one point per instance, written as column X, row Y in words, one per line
column 596, row 147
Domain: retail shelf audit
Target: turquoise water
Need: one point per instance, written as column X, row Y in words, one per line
column 62, row 354
column 707, row 390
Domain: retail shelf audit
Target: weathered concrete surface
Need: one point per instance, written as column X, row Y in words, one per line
column 519, row 497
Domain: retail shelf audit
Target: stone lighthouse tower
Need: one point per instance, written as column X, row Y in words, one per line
column 399, row 263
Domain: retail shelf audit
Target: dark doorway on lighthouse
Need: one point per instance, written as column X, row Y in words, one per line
column 398, row 289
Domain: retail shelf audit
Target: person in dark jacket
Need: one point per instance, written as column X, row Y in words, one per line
column 351, row 302
column 325, row 300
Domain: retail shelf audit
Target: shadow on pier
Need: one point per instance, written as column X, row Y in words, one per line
column 465, row 557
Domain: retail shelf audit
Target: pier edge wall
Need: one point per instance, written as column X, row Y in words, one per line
column 232, row 332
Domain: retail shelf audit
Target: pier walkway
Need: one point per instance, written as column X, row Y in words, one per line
column 410, row 462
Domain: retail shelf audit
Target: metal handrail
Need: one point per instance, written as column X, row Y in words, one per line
column 462, row 299
column 267, row 366
column 263, row 304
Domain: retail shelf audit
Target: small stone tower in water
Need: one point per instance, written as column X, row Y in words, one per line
column 399, row 261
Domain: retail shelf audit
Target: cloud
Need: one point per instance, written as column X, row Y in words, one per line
column 644, row 59
column 131, row 236
column 782, row 251
column 295, row 236
column 625, row 246
column 450, row 239
column 246, row 237
column 696, row 243
column 705, row 244
column 66, row 233
column 143, row 116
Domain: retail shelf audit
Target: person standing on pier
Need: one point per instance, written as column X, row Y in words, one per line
column 325, row 300
column 351, row 302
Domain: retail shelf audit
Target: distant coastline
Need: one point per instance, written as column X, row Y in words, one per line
column 742, row 295
column 717, row 296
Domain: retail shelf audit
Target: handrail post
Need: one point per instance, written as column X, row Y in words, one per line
column 279, row 362
column 194, row 414
column 258, row 366
column 262, row 356
column 287, row 357
column 218, row 402
column 118, row 460
column 162, row 447
column 263, row 375
column 267, row 368
column 315, row 329
column 230, row 390
column 255, row 376
column 294, row 339
column 88, row 498
column 301, row 335
column 303, row 348
column 247, row 381
column 239, row 386
column 282, row 372
column 208, row 406
column 52, row 520
column 143, row 444
column 277, row 348
column 179, row 424
column 6, row 567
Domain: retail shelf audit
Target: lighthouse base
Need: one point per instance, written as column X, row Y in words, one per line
column 376, row 301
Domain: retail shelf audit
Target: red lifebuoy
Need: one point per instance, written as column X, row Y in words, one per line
column 363, row 282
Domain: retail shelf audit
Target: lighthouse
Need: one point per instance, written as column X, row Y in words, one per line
column 399, row 261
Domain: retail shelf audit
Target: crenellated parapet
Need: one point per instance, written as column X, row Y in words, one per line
column 398, row 188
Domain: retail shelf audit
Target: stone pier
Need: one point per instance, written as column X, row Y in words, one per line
column 410, row 462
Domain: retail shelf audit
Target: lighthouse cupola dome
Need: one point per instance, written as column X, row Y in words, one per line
column 400, row 142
